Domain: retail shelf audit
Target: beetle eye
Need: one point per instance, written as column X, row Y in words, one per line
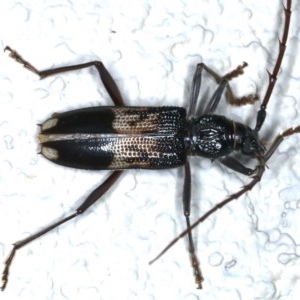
column 252, row 146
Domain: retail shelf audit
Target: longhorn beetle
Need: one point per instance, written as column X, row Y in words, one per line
column 120, row 137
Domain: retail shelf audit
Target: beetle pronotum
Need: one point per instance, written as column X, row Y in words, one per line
column 55, row 154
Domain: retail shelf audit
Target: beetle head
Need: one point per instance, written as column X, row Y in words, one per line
column 250, row 143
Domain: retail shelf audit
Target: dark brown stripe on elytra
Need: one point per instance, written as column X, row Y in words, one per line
column 167, row 120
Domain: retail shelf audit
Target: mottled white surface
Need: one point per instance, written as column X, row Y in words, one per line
column 248, row 250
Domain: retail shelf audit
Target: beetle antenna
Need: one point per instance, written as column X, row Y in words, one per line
column 261, row 115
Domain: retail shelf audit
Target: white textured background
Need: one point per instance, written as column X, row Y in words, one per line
column 248, row 250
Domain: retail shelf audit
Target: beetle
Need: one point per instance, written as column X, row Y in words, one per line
column 117, row 138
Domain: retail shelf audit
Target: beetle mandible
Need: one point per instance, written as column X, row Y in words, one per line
column 119, row 137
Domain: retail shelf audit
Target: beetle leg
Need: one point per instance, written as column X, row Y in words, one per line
column 216, row 97
column 186, row 199
column 235, row 165
column 108, row 81
column 248, row 99
column 255, row 179
column 223, row 82
column 90, row 200
column 196, row 85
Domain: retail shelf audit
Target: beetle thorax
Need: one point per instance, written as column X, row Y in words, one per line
column 214, row 136
column 211, row 136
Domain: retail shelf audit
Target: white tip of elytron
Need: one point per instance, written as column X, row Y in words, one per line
column 50, row 123
column 50, row 153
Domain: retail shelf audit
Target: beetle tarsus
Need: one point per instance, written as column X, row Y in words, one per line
column 18, row 58
column 7, row 264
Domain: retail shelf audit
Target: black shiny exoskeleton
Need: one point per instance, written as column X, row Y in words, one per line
column 121, row 137
column 101, row 138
